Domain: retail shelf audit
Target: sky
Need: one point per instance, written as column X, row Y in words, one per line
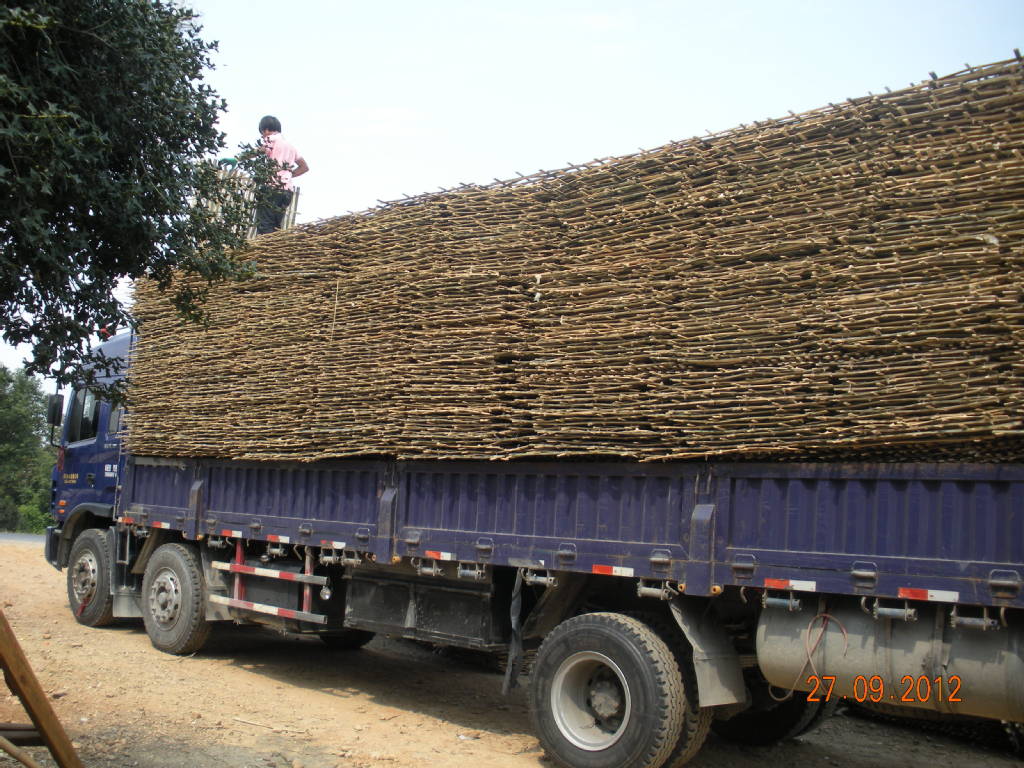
column 407, row 96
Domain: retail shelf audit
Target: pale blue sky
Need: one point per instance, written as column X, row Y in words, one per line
column 404, row 97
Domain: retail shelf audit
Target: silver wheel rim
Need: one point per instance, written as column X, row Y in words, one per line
column 165, row 598
column 590, row 701
column 83, row 577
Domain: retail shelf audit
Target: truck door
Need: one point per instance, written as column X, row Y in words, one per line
column 88, row 471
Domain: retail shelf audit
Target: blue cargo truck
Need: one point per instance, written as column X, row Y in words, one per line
column 655, row 601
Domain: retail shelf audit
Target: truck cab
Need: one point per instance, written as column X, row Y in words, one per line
column 89, row 460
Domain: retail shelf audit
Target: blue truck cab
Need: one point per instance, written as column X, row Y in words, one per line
column 89, row 461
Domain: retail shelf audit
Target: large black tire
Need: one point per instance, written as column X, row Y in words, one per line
column 347, row 639
column 88, row 577
column 174, row 600
column 696, row 721
column 825, row 711
column 606, row 692
column 769, row 721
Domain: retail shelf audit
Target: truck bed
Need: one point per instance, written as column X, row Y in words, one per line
column 949, row 533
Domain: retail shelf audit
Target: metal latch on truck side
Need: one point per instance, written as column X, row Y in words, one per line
column 880, row 611
column 791, row 602
column 426, row 567
column 662, row 590
column 346, row 557
column 1004, row 584
column 472, row 571
column 984, row 622
column 542, row 579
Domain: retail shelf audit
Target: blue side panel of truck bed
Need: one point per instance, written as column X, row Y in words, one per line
column 338, row 503
column 161, row 494
column 946, row 527
column 550, row 515
column 946, row 532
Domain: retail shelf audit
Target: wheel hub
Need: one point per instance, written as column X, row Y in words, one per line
column 83, row 577
column 590, row 701
column 165, row 598
column 605, row 698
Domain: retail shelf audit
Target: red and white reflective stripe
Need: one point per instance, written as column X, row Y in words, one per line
column 934, row 595
column 435, row 554
column 278, row 539
column 158, row 524
column 612, row 570
column 272, row 610
column 270, row 573
column 236, row 534
column 126, row 520
column 794, row 584
column 335, row 544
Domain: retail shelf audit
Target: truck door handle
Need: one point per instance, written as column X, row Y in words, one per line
column 90, row 478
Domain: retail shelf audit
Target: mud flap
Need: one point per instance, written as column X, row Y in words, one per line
column 715, row 661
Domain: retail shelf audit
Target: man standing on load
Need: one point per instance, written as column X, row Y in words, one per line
column 275, row 201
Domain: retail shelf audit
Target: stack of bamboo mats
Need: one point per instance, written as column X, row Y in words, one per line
column 844, row 283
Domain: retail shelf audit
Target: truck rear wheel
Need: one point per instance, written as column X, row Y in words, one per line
column 769, row 721
column 606, row 692
column 89, row 579
column 696, row 720
column 173, row 600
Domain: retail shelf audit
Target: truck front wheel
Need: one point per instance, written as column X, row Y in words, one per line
column 607, row 692
column 173, row 600
column 89, row 579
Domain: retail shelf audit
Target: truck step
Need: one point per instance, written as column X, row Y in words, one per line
column 286, row 613
column 269, row 573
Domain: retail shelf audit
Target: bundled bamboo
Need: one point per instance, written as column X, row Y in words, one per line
column 842, row 283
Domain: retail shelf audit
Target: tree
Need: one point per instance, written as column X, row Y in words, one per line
column 34, row 511
column 25, row 456
column 106, row 132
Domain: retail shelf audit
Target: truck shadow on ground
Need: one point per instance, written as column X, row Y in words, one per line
column 463, row 689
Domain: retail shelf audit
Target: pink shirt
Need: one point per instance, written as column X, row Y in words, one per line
column 284, row 154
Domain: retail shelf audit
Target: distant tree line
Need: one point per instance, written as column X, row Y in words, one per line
column 26, row 458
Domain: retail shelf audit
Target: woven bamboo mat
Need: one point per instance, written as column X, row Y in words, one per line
column 842, row 283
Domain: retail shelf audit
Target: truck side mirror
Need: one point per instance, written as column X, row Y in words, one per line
column 54, row 410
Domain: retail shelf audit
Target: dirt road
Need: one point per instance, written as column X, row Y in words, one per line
column 256, row 699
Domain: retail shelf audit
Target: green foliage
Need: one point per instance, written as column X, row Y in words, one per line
column 26, row 459
column 106, row 130
column 34, row 512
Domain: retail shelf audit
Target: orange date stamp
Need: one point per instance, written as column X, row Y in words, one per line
column 911, row 690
